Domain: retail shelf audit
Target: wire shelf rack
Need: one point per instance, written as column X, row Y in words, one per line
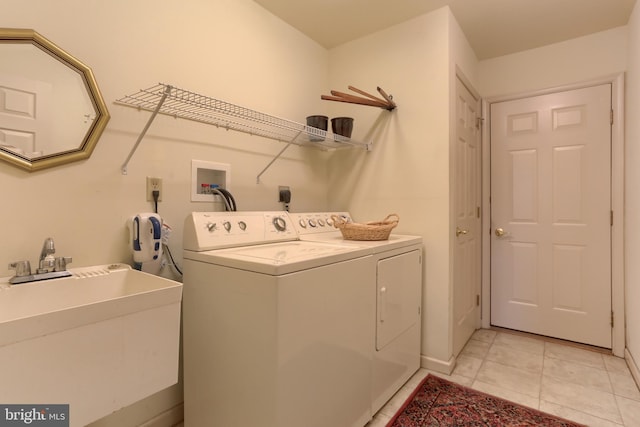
column 179, row 103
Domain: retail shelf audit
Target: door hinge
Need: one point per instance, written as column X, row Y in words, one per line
column 612, row 318
column 478, row 300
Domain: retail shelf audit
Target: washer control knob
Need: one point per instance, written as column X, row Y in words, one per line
column 242, row 225
column 279, row 223
column 227, row 225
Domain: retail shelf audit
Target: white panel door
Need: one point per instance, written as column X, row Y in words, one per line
column 551, row 208
column 25, row 115
column 467, row 239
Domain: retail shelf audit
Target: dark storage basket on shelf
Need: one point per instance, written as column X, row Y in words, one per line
column 372, row 230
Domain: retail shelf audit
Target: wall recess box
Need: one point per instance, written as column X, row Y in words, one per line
column 204, row 174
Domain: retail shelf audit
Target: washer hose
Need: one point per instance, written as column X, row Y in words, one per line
column 229, row 201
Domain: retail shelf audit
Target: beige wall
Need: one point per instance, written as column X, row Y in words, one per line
column 569, row 62
column 632, row 190
column 232, row 50
column 229, row 49
column 408, row 171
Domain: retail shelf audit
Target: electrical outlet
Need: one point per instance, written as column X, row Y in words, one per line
column 154, row 184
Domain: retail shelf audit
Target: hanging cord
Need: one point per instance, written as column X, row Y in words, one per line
column 173, row 262
column 165, row 234
column 166, row 231
column 156, row 196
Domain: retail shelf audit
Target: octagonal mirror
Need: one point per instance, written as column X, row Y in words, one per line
column 51, row 110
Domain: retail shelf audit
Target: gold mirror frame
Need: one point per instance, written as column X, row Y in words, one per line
column 86, row 146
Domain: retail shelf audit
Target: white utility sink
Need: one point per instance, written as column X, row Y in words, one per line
column 98, row 340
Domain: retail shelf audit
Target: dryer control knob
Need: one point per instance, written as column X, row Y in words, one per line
column 279, row 223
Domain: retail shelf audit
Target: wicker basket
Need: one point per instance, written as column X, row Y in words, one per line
column 373, row 230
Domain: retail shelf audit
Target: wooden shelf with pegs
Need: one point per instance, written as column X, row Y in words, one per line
column 385, row 102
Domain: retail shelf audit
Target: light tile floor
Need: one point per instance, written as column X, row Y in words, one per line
column 579, row 384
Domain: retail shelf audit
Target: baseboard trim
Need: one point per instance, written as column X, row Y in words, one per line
column 442, row 366
column 168, row 418
column 635, row 372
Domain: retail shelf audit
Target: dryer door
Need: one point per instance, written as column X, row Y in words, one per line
column 398, row 296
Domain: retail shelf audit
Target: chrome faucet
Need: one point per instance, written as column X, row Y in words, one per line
column 49, row 267
column 47, row 261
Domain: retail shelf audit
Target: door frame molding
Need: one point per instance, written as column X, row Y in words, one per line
column 617, row 201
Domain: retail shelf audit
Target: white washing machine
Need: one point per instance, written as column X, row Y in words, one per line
column 398, row 293
column 277, row 331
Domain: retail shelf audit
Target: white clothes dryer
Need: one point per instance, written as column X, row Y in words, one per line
column 398, row 292
column 277, row 331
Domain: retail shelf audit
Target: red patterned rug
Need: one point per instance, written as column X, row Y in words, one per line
column 438, row 402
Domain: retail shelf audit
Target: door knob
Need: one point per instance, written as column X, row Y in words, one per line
column 460, row 231
column 500, row 232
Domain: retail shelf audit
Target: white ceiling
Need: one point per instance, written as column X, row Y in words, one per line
column 493, row 27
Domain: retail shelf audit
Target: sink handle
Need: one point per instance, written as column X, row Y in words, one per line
column 22, row 268
column 60, row 263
